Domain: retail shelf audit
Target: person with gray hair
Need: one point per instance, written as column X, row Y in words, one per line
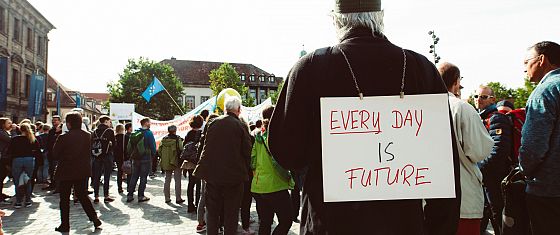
column 364, row 63
column 224, row 164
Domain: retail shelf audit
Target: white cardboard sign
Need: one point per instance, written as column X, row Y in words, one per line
column 386, row 148
column 121, row 111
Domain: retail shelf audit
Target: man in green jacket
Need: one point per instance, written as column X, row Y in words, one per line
column 170, row 148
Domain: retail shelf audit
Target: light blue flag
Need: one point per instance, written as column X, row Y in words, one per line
column 154, row 88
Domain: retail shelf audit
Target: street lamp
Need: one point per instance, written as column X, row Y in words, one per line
column 435, row 40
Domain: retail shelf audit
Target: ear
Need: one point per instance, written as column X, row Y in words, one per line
column 542, row 60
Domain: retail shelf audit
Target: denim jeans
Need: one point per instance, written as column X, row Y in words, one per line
column 43, row 172
column 103, row 166
column 23, row 165
column 140, row 170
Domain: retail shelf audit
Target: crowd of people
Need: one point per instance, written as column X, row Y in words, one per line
column 506, row 163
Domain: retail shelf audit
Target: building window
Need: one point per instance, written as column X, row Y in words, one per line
column 15, row 78
column 271, row 79
column 253, row 94
column 29, row 39
column 242, row 77
column 252, row 78
column 25, row 86
column 2, row 20
column 262, row 95
column 189, row 101
column 261, row 78
column 17, row 30
column 40, row 46
column 204, row 99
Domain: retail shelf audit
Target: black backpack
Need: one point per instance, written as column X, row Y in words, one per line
column 97, row 149
column 189, row 153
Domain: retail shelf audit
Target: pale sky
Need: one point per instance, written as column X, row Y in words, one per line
column 94, row 39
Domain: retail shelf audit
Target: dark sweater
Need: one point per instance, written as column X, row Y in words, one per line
column 21, row 147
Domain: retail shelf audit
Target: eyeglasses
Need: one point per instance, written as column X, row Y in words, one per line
column 532, row 58
column 484, row 97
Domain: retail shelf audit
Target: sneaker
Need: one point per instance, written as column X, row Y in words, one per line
column 248, row 231
column 108, row 199
column 180, row 201
column 191, row 209
column 17, row 205
column 121, row 191
column 5, row 201
column 143, row 199
column 96, row 200
column 168, row 201
column 129, row 199
column 62, row 229
column 201, row 228
column 28, row 204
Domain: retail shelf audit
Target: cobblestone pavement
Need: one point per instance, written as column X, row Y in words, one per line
column 119, row 217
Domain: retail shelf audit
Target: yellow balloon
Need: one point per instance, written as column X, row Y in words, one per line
column 223, row 94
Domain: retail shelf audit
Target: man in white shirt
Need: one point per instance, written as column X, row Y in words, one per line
column 474, row 144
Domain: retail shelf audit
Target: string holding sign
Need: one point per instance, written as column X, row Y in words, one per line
column 360, row 94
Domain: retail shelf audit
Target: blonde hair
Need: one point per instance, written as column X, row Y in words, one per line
column 27, row 132
column 119, row 129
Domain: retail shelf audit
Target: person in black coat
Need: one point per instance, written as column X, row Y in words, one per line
column 5, row 138
column 119, row 151
column 51, row 139
column 378, row 67
column 72, row 150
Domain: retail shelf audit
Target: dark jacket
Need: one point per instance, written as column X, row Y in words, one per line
column 378, row 66
column 5, row 139
column 226, row 155
column 107, row 136
column 497, row 166
column 73, row 152
column 119, row 150
column 21, row 147
column 51, row 139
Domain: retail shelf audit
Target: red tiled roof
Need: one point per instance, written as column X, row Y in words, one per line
column 98, row 96
column 196, row 72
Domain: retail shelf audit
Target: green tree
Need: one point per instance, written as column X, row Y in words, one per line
column 518, row 95
column 134, row 80
column 274, row 95
column 522, row 93
column 226, row 77
column 501, row 92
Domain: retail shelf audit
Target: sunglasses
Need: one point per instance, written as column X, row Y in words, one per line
column 484, row 97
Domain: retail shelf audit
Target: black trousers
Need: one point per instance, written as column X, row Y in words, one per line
column 278, row 203
column 119, row 174
column 494, row 206
column 80, row 192
column 246, row 205
column 227, row 197
column 296, row 194
column 193, row 182
column 544, row 213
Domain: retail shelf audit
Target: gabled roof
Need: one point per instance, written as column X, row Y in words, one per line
column 196, row 72
column 67, row 98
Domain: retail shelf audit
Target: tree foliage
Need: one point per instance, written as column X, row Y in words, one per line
column 226, row 77
column 274, row 95
column 134, row 80
column 518, row 95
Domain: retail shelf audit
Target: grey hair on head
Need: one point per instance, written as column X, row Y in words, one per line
column 344, row 22
column 232, row 103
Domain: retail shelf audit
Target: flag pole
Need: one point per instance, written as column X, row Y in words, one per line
column 180, row 109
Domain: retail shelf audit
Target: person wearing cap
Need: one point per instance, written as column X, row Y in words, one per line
column 378, row 68
column 498, row 164
column 169, row 150
column 504, row 106
column 539, row 155
column 475, row 145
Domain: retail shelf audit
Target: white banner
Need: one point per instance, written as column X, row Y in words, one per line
column 121, row 111
column 159, row 128
column 386, row 148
